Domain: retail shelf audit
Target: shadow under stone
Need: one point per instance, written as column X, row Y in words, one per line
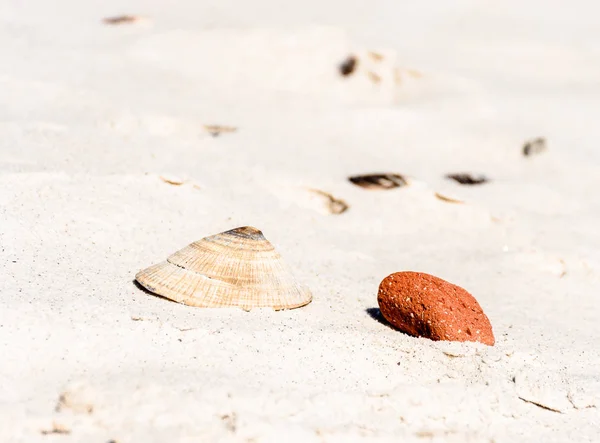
column 375, row 314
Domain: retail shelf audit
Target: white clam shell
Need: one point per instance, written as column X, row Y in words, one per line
column 237, row 268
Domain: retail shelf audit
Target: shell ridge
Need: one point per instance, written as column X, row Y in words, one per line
column 199, row 274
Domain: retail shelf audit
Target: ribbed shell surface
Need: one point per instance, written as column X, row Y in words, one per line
column 237, row 268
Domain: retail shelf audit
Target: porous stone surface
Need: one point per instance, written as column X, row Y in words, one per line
column 423, row 305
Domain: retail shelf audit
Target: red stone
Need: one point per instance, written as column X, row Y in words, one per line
column 426, row 306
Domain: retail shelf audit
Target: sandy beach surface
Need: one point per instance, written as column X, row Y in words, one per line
column 107, row 166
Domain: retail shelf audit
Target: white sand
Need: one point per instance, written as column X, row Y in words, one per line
column 91, row 115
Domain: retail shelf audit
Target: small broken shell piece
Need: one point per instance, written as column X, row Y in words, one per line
column 237, row 268
column 123, row 19
column 332, row 205
column 56, row 428
column 535, row 146
column 378, row 67
column 379, row 181
column 348, row 66
column 172, row 180
column 178, row 181
column 375, row 56
column 465, row 178
column 216, row 130
column 448, row 198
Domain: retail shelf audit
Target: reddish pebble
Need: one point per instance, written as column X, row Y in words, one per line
column 426, row 306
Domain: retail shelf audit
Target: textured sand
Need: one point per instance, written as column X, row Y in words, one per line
column 93, row 115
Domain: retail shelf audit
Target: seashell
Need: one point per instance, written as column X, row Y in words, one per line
column 332, row 205
column 175, row 180
column 448, row 198
column 348, row 66
column 172, row 180
column 237, row 268
column 535, row 146
column 379, row 181
column 467, row 179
